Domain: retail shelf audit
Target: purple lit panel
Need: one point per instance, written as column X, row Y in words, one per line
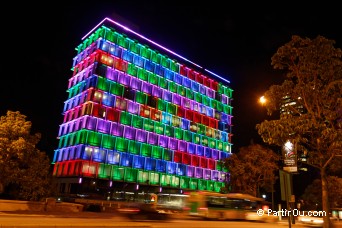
column 224, row 117
column 208, row 152
column 198, row 172
column 187, row 103
column 215, row 154
column 214, row 175
column 191, row 148
column 152, row 138
column 224, row 99
column 141, row 135
column 146, row 88
column 176, row 99
column 136, row 83
column 117, row 129
column 163, row 141
column 178, row 79
column 222, row 176
column 103, row 126
column 112, row 74
column 129, row 132
column 202, row 89
column 167, row 96
column 124, row 79
column 186, row 82
column 173, row 143
column 210, row 112
column 182, row 145
column 185, row 124
column 200, row 150
column 133, row 107
column 91, row 123
column 207, row 174
column 190, row 171
column 157, row 92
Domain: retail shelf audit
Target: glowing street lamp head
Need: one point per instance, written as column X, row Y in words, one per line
column 262, row 100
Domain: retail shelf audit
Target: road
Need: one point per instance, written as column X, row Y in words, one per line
column 93, row 219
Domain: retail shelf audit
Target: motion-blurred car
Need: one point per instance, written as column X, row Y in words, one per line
column 310, row 218
column 143, row 211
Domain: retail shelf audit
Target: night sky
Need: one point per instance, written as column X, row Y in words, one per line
column 235, row 41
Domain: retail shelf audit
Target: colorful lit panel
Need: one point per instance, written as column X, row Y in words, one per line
column 137, row 111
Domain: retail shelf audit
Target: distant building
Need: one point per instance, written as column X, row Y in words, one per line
column 140, row 118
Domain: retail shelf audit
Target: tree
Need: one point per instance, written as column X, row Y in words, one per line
column 252, row 167
column 312, row 196
column 314, row 81
column 24, row 170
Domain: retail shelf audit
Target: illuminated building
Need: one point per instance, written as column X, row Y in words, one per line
column 140, row 117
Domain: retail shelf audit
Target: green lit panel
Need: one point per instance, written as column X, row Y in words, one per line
column 219, row 107
column 104, row 171
column 218, row 186
column 196, row 138
column 175, row 180
column 165, row 62
column 134, row 46
column 205, row 100
column 118, row 173
column 187, row 136
column 171, row 108
column 141, row 97
column 212, row 142
column 184, row 182
column 219, row 145
column 116, row 89
column 181, row 91
column 146, row 150
column 126, row 118
column 154, row 178
column 189, row 93
column 204, row 140
column 227, row 109
column 121, row 144
column 163, row 83
column 167, row 155
column 193, row 183
column 94, row 138
column 137, row 121
column 155, row 57
column 173, row 87
column 142, row 74
column 202, row 184
column 61, row 141
column 159, row 128
column 81, row 137
column 210, row 185
column 161, row 105
column 213, row 103
column 153, row 79
column 198, row 97
column 157, row 152
column 201, row 129
column 103, row 84
column 169, row 131
column 143, row 177
column 148, row 125
column 179, row 133
column 132, row 70
column 108, row 141
column 131, row 175
column 122, row 41
column 219, row 165
column 226, row 147
column 174, row 66
column 111, row 36
column 165, row 179
column 145, row 52
column 134, row 147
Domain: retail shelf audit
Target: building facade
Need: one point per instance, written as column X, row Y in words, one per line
column 140, row 118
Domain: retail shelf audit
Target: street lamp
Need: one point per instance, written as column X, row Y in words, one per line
column 262, row 100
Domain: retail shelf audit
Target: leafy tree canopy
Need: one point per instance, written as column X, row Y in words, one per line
column 314, row 82
column 312, row 197
column 252, row 167
column 24, row 170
